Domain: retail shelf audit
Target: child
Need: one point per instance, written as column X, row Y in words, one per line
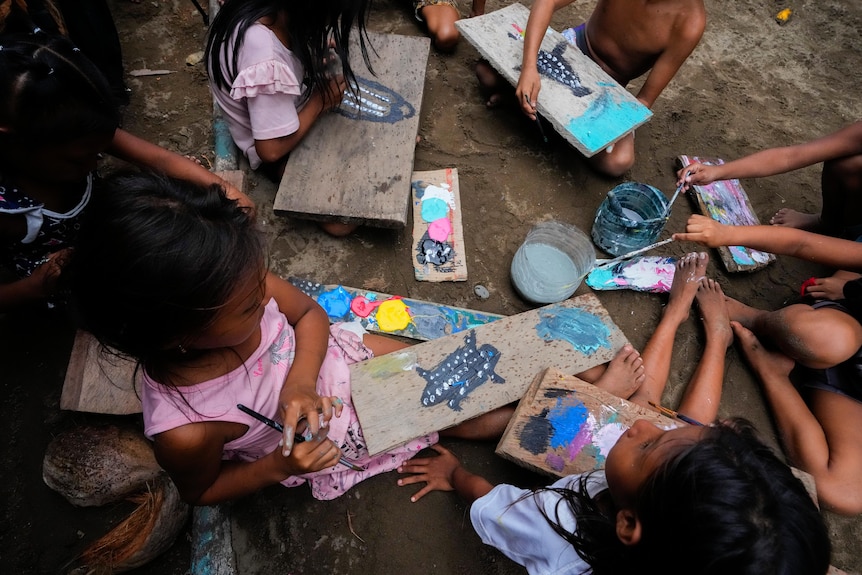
column 705, row 499
column 275, row 67
column 841, row 182
column 627, row 39
column 57, row 116
column 175, row 277
column 819, row 352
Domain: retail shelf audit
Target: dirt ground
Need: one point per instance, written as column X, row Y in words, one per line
column 750, row 84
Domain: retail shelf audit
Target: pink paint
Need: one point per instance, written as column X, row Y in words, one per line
column 439, row 230
column 555, row 462
column 582, row 439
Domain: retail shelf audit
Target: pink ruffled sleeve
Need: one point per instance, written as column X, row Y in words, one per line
column 269, row 77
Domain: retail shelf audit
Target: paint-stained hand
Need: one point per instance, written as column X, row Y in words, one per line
column 527, row 91
column 316, row 453
column 697, row 174
column 706, row 231
column 298, row 404
column 437, row 472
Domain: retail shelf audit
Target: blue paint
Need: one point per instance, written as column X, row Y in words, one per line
column 600, row 277
column 606, row 120
column 336, row 302
column 224, row 146
column 434, row 209
column 567, row 421
column 585, row 332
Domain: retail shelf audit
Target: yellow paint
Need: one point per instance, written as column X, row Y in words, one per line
column 783, row 16
column 392, row 315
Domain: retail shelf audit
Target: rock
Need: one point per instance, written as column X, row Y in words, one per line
column 194, row 58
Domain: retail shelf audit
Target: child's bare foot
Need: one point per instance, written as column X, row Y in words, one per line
column 690, row 269
column 768, row 365
column 713, row 309
column 624, row 373
column 739, row 312
column 491, row 82
column 792, row 219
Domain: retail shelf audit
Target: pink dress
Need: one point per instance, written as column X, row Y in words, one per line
column 257, row 384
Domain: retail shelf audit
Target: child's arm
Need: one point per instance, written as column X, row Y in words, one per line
column 443, row 473
column 192, row 456
column 41, row 284
column 826, row 250
column 686, row 33
column 275, row 149
column 845, row 142
column 478, row 8
column 147, row 155
column 529, row 82
column 298, row 398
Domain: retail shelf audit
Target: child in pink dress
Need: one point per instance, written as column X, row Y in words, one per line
column 181, row 286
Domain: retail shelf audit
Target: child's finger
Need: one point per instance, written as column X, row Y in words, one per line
column 421, row 493
column 411, row 479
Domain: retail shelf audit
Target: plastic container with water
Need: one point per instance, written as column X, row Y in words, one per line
column 631, row 217
column 552, row 262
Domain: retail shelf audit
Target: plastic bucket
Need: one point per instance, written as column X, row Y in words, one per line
column 552, row 262
column 631, row 217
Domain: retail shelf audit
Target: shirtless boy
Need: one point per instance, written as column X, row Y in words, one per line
column 627, row 38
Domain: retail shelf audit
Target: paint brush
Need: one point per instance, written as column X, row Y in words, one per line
column 675, row 414
column 296, row 439
column 538, row 121
column 606, row 263
column 675, row 194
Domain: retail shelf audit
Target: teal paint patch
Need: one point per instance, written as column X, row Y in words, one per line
column 585, row 332
column 434, row 209
column 606, row 120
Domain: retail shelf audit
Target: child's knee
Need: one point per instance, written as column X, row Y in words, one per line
column 441, row 19
column 615, row 163
column 839, row 496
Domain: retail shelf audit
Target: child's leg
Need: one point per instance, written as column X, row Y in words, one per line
column 703, row 393
column 824, row 440
column 488, row 426
column 380, row 344
column 815, row 337
column 492, row 84
column 656, row 355
column 619, row 160
column 622, row 375
column 440, row 17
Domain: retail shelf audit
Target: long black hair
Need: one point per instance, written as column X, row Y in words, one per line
column 726, row 504
column 310, row 28
column 156, row 260
column 50, row 93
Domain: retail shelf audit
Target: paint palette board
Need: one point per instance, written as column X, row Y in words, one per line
column 653, row 274
column 726, row 202
column 354, row 165
column 438, row 236
column 443, row 382
column 564, row 425
column 580, row 100
column 406, row 317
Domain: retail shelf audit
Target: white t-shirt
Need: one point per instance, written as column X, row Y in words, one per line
column 517, row 528
column 264, row 97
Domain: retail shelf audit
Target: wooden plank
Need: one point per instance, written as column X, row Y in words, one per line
column 427, row 320
column 564, row 425
column 355, row 164
column 236, row 178
column 440, row 383
column 580, row 100
column 99, row 382
column 726, row 202
column 438, row 236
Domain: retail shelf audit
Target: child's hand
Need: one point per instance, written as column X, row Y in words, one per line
column 696, row 174
column 299, row 404
column 527, row 91
column 706, row 231
column 335, row 93
column 436, row 472
column 45, row 277
column 831, row 288
column 311, row 455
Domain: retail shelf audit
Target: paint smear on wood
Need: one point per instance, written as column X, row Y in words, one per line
column 652, row 274
column 438, row 237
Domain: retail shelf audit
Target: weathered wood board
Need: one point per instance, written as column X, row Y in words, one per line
column 580, row 100
column 421, row 320
column 440, row 383
column 355, row 163
column 726, row 202
column 98, row 382
column 564, row 425
column 439, row 254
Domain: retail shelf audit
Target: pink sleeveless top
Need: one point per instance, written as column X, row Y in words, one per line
column 256, row 384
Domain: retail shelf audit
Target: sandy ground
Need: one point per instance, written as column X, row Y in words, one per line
column 750, row 84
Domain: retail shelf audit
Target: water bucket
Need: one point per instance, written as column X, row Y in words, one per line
column 631, row 217
column 552, row 262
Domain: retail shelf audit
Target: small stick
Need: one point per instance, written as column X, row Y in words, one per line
column 633, row 253
column 538, row 121
column 350, row 526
